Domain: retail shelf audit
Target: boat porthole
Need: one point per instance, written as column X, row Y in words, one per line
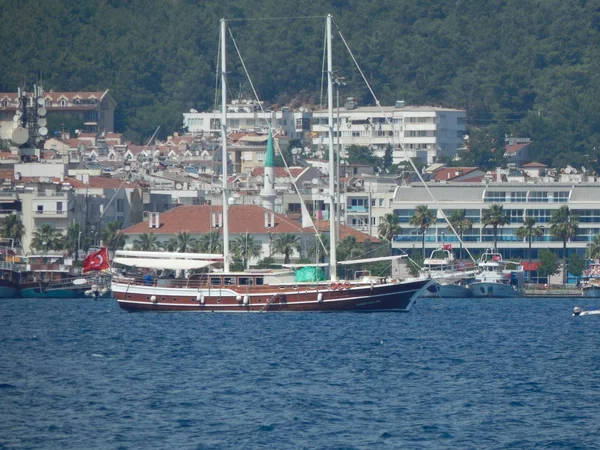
column 163, row 298
column 129, row 296
column 218, row 300
column 147, row 298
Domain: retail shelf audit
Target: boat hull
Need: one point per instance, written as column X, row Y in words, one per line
column 8, row 290
column 591, row 291
column 449, row 290
column 37, row 292
column 486, row 289
column 392, row 296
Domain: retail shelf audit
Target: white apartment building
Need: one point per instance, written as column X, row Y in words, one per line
column 519, row 200
column 426, row 133
column 246, row 115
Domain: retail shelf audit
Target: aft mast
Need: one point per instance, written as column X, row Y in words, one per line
column 332, row 206
column 224, row 158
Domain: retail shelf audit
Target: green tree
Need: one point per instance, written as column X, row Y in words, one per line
column 415, row 262
column 495, row 217
column 75, row 239
column 564, row 225
column 389, row 226
column 422, row 219
column 112, row 235
column 46, row 238
column 210, row 242
column 182, row 242
column 285, row 244
column 12, row 228
column 147, row 242
column 266, row 263
column 245, row 247
column 461, row 224
column 576, row 265
column 592, row 250
column 529, row 231
column 317, row 251
column 549, row 264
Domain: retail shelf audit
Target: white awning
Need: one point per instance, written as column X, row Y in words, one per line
column 370, row 260
column 169, row 255
column 153, row 263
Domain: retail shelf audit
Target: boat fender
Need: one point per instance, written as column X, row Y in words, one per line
column 104, row 291
column 88, row 292
column 246, row 300
column 372, row 285
column 198, row 297
column 319, row 297
column 333, row 286
column 153, row 299
column 347, row 285
column 94, row 287
column 238, row 298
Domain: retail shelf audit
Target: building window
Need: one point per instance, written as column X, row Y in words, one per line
column 517, row 197
column 40, row 209
column 495, row 196
column 120, row 205
column 63, row 102
column 260, row 156
column 59, row 206
column 537, row 196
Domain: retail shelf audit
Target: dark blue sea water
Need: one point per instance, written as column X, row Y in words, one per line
column 79, row 374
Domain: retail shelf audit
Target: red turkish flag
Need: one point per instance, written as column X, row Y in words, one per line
column 96, row 261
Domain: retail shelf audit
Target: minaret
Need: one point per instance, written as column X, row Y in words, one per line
column 268, row 193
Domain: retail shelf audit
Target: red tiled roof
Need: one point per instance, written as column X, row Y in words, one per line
column 534, row 165
column 512, row 149
column 198, row 219
column 448, row 173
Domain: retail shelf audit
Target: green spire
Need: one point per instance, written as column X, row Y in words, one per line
column 270, row 157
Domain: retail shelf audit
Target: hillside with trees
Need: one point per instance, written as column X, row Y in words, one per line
column 523, row 68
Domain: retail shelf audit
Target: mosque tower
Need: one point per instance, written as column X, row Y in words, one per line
column 268, row 193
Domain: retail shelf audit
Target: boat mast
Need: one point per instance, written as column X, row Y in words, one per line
column 332, row 206
column 224, row 158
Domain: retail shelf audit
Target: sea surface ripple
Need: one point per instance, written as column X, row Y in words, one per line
column 82, row 374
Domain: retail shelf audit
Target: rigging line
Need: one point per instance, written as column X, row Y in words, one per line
column 276, row 142
column 387, row 120
column 125, row 179
column 323, row 70
column 217, row 74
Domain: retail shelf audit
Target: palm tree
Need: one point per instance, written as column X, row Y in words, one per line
column 75, row 240
column 147, row 242
column 12, row 228
column 245, row 247
column 388, row 227
column 592, row 250
column 495, row 217
column 46, row 238
column 182, row 242
column 210, row 242
column 564, row 225
column 461, row 224
column 349, row 248
column 530, row 232
column 285, row 244
column 422, row 219
column 112, row 235
column 317, row 252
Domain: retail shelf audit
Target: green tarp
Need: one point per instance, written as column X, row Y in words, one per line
column 310, row 274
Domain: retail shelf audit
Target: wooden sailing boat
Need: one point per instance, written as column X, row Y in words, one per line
column 257, row 291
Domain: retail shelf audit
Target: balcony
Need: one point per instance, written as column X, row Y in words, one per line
column 47, row 214
column 357, row 209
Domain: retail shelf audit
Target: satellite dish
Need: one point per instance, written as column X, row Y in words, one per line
column 40, row 101
column 41, row 111
column 466, row 137
column 42, row 122
column 17, row 117
column 43, row 131
column 294, row 151
column 178, row 186
column 315, row 181
column 20, row 135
